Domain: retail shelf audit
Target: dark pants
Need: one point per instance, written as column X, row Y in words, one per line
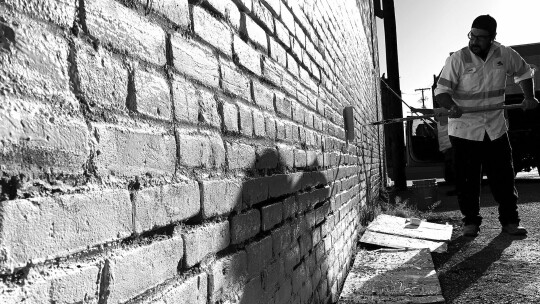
column 493, row 157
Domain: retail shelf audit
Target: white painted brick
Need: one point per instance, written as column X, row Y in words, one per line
column 204, row 240
column 220, row 197
column 193, row 290
column 175, row 10
column 115, row 24
column 44, row 228
column 136, row 270
column 160, row 206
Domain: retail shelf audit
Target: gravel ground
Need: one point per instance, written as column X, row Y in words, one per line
column 493, row 267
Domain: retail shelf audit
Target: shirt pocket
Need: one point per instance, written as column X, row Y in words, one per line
column 470, row 79
column 498, row 78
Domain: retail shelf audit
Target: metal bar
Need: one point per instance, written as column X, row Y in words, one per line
column 444, row 112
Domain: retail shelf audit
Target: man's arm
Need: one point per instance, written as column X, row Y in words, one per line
column 445, row 100
column 527, row 86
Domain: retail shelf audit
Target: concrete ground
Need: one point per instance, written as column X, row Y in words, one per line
column 493, row 267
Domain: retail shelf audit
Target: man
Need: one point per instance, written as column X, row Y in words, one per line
column 476, row 76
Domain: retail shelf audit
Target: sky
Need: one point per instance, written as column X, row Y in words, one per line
column 428, row 30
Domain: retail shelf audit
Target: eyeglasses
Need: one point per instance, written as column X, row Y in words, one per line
column 471, row 36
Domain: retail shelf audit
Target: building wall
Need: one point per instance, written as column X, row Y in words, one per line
column 177, row 151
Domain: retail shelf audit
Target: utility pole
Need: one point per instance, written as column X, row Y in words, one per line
column 394, row 132
column 423, row 98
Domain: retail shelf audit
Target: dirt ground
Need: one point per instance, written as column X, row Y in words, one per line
column 492, row 267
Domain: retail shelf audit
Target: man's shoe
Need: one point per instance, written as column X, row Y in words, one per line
column 471, row 230
column 514, row 229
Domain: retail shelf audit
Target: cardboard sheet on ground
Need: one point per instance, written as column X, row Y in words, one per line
column 397, row 232
column 392, row 276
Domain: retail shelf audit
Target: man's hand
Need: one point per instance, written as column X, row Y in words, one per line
column 529, row 103
column 455, row 112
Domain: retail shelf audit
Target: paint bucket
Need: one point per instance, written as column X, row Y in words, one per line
column 424, row 193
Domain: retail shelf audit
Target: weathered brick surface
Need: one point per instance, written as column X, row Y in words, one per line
column 175, row 10
column 127, row 152
column 254, row 32
column 247, row 56
column 204, row 240
column 229, row 116
column 195, row 61
column 36, row 65
column 160, row 206
column 212, row 31
column 61, row 12
column 227, row 9
column 75, row 285
column 259, row 255
column 262, row 96
column 233, row 81
column 197, row 150
column 220, row 197
column 114, row 24
column 240, row 156
column 185, row 99
column 152, row 95
column 192, row 290
column 39, row 228
column 133, row 271
column 245, row 225
column 271, row 215
column 227, row 278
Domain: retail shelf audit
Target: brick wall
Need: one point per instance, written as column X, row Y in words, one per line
column 177, row 151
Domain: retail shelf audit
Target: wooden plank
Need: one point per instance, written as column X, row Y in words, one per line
column 388, row 224
column 404, row 276
column 396, row 241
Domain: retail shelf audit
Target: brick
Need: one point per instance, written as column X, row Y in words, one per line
column 61, row 12
column 192, row 290
column 185, row 99
column 300, row 159
column 264, row 15
column 279, row 185
column 259, row 129
column 240, row 156
column 127, row 152
column 287, row 18
column 41, row 228
column 227, row 278
column 102, row 78
column 274, row 6
column 36, row 137
column 277, row 52
column 280, row 134
column 229, row 116
column 254, row 33
column 246, row 120
column 289, row 81
column 247, row 56
column 281, row 239
column 262, row 95
column 259, row 255
column 38, row 65
column 220, row 197
column 160, row 206
column 270, row 127
column 204, row 240
column 245, row 226
column 292, row 66
column 234, row 82
column 208, row 109
column 74, row 285
column 206, row 151
column 282, row 34
column 255, row 190
column 253, row 292
column 286, row 156
column 115, row 24
column 284, row 293
column 298, row 113
column 272, row 215
column 228, row 10
column 290, row 208
column 134, row 271
column 195, row 61
column 272, row 72
column 291, row 258
column 283, row 105
column 175, row 10
column 212, row 31
column 267, row 158
column 152, row 95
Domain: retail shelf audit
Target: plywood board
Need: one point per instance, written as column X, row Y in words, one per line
column 394, row 225
column 404, row 276
column 396, row 241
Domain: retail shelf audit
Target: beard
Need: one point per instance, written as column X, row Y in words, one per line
column 478, row 49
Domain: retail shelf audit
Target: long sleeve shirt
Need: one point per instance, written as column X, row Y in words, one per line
column 473, row 82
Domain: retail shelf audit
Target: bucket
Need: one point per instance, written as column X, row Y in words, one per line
column 424, row 193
